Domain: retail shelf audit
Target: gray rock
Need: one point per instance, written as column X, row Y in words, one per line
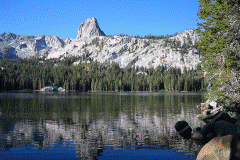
column 23, row 46
column 89, row 28
column 8, row 36
column 27, row 46
column 8, row 52
column 40, row 44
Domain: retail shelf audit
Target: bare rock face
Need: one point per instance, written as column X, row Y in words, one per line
column 8, row 52
column 8, row 36
column 89, row 28
column 12, row 45
column 40, row 43
column 56, row 42
column 124, row 50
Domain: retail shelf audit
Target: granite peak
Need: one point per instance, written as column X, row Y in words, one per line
column 89, row 28
column 124, row 50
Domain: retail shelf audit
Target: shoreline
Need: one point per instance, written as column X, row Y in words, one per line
column 78, row 91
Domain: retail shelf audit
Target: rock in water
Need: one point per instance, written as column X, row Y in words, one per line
column 89, row 28
column 219, row 148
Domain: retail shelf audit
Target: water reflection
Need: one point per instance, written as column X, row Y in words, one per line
column 96, row 122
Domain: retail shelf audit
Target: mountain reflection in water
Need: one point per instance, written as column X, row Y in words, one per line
column 96, row 125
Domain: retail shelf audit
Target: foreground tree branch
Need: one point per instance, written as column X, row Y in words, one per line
column 219, row 40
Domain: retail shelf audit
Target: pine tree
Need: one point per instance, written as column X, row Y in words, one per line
column 220, row 38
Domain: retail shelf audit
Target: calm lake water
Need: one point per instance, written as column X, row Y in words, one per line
column 41, row 125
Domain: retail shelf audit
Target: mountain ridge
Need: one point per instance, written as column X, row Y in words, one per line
column 92, row 41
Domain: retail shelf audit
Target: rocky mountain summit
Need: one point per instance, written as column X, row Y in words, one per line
column 90, row 28
column 91, row 42
column 12, row 45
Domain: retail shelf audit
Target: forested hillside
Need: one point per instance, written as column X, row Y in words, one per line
column 89, row 75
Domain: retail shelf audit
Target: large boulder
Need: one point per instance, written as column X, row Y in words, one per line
column 219, row 148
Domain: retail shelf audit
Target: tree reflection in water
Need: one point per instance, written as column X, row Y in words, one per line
column 98, row 122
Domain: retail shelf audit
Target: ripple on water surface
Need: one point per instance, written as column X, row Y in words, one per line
column 98, row 125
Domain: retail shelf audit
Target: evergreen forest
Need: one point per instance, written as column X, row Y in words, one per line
column 220, row 44
column 89, row 75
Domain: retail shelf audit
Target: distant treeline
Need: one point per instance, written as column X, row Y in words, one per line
column 33, row 74
column 153, row 37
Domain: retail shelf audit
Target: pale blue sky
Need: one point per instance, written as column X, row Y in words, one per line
column 63, row 17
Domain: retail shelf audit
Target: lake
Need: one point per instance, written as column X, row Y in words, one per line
column 70, row 125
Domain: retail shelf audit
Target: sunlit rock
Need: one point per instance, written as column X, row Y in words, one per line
column 89, row 28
